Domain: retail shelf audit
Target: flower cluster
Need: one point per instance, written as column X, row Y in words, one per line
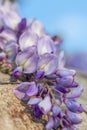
column 35, row 58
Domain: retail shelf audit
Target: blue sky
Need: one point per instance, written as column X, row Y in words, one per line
column 67, row 18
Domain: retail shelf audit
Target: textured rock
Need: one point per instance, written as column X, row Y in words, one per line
column 82, row 79
column 12, row 115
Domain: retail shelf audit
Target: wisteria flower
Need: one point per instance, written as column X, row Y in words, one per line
column 47, row 87
column 27, row 60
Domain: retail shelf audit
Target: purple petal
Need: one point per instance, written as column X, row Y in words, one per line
column 45, row 105
column 45, row 45
column 74, row 106
column 50, row 124
column 61, row 59
column 66, row 81
column 17, row 72
column 21, row 89
column 40, row 74
column 2, row 56
column 28, row 60
column 31, row 64
column 5, row 36
column 66, row 72
column 62, row 89
column 22, row 24
column 34, row 101
column 37, row 112
column 25, row 98
column 56, row 110
column 32, row 90
column 11, row 19
column 11, row 49
column 56, row 123
column 37, row 28
column 27, row 39
column 76, row 93
column 73, row 118
column 47, row 63
column 18, row 94
column 74, row 84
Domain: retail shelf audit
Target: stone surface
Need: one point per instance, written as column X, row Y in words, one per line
column 13, row 117
column 82, row 79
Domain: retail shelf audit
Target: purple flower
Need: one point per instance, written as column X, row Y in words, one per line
column 11, row 50
column 56, row 110
column 45, row 105
column 2, row 56
column 40, row 74
column 73, row 118
column 22, row 25
column 62, row 89
column 45, row 45
column 11, row 19
column 34, row 101
column 47, row 63
column 17, row 72
column 27, row 60
column 50, row 124
column 66, row 72
column 32, row 90
column 74, row 106
column 5, row 36
column 27, row 39
column 66, row 81
column 36, row 27
column 76, row 93
column 61, row 59
column 37, row 112
column 26, row 88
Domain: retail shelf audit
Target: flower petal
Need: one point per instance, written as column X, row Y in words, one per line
column 21, row 89
column 11, row 19
column 66, row 81
column 50, row 124
column 37, row 28
column 76, row 93
column 62, row 89
column 5, row 36
column 2, row 56
column 45, row 105
column 66, row 72
column 56, row 110
column 45, row 45
column 11, row 49
column 30, row 65
column 27, row 39
column 22, row 24
column 17, row 72
column 73, row 118
column 32, row 90
column 74, row 106
column 27, row 60
column 18, row 94
column 37, row 112
column 40, row 74
column 34, row 101
column 47, row 63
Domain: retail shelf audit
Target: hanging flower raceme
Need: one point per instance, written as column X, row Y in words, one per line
column 48, row 85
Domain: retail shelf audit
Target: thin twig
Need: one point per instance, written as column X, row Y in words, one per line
column 52, row 94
